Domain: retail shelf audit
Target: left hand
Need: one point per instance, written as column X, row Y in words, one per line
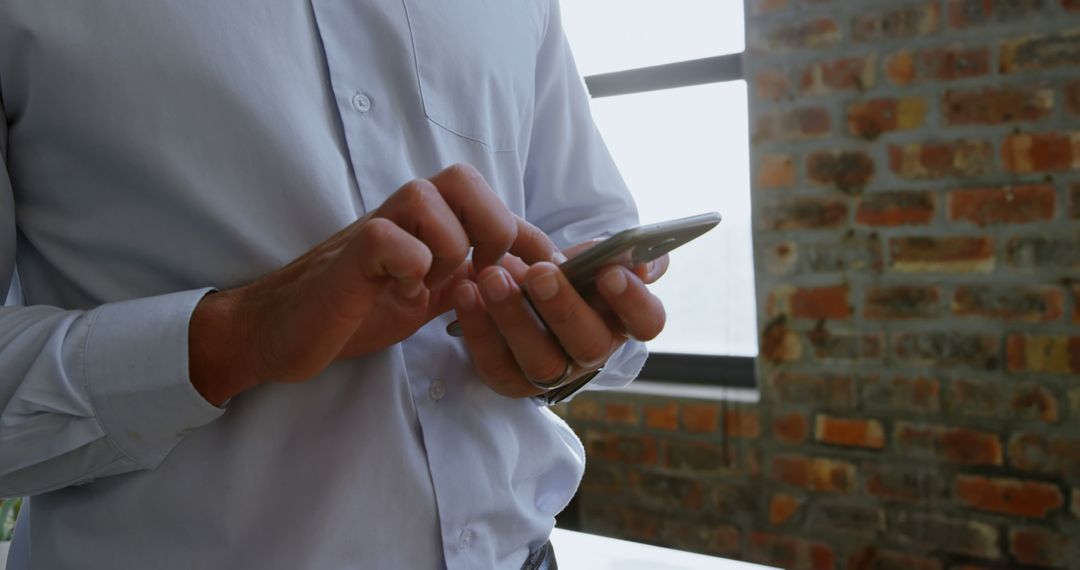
column 508, row 342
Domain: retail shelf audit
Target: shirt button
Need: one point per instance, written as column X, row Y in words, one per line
column 436, row 390
column 465, row 539
column 361, row 102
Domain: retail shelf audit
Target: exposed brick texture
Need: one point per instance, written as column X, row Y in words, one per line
column 1009, row 205
column 996, row 105
column 888, row 209
column 1009, row 496
column 916, row 220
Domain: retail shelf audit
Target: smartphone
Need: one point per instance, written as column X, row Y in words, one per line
column 628, row 248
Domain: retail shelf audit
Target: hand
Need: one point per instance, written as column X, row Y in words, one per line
column 510, row 342
column 369, row 286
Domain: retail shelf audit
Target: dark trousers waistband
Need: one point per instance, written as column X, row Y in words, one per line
column 542, row 558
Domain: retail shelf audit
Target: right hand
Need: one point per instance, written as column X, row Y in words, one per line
column 369, row 286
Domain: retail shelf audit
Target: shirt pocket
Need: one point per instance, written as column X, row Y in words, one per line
column 475, row 63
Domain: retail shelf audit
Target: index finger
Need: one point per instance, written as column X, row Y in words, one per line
column 492, row 228
column 488, row 223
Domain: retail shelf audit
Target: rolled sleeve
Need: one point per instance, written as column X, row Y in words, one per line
column 136, row 369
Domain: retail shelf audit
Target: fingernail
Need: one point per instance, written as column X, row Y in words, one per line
column 465, row 297
column 653, row 270
column 613, row 281
column 558, row 258
column 496, row 285
column 545, row 286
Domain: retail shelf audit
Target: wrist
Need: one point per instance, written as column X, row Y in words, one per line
column 217, row 365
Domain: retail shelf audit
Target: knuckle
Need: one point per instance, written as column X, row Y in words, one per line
column 464, row 172
column 548, row 370
column 377, row 231
column 595, row 353
column 418, row 193
column 654, row 326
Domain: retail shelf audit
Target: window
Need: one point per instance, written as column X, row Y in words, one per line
column 669, row 99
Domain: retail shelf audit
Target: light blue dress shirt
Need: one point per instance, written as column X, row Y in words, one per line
column 153, row 150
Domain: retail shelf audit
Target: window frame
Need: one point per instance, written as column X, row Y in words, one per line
column 666, row 367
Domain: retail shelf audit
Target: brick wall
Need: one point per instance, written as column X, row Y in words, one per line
column 917, row 213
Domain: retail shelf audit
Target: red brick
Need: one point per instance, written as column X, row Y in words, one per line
column 969, row 13
column 870, row 119
column 924, row 254
column 1008, row 205
column 902, row 302
column 847, row 171
column 1074, row 201
column 603, row 479
column 829, row 302
column 1041, row 547
column 949, row 348
column 814, row 474
column 856, row 520
column 772, row 85
column 621, row 448
column 792, row 125
column 933, row 531
column 873, row 558
column 956, row 445
column 665, row 417
column 1008, row 496
column 847, row 345
column 1043, row 251
column 846, row 74
column 782, row 507
column 701, row 459
column 790, row 553
column 990, row 399
column 779, row 343
column 996, row 105
column 1009, row 302
column 937, row 64
column 1041, row 152
column 759, row 7
column 898, row 23
column 1042, row 51
column 790, row 428
column 827, row 390
column 1076, row 303
column 782, row 258
column 741, row 423
column 890, row 209
column 911, row 485
column 700, row 418
column 805, row 214
column 801, row 35
column 585, row 409
column 625, row 414
column 1072, row 96
column 1053, row 454
column 901, row 394
column 1056, row 354
column 1076, row 493
column 776, row 171
column 1073, row 5
column 849, row 432
column 660, row 490
column 935, row 160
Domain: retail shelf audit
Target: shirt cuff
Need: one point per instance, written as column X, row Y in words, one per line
column 623, row 366
column 136, row 371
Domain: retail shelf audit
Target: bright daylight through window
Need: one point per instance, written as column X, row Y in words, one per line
column 682, row 151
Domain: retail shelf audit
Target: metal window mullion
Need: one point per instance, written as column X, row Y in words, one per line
column 671, row 75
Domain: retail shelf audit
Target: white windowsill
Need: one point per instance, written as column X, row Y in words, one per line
column 581, row 550
column 693, row 391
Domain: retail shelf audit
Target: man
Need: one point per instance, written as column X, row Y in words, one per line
column 201, row 377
